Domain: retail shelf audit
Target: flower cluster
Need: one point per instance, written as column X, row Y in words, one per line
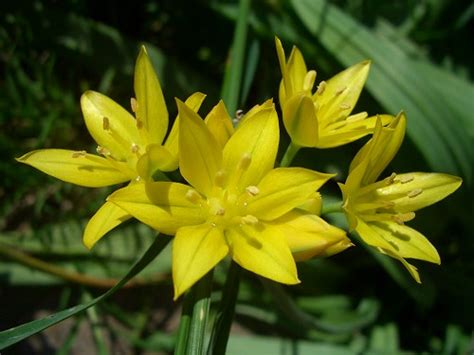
column 234, row 201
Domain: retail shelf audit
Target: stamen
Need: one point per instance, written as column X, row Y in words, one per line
column 134, row 148
column 405, row 179
column 252, row 190
column 239, row 114
column 192, row 196
column 340, row 91
column 245, row 161
column 321, row 88
column 78, row 154
column 102, row 151
column 249, row 219
column 105, row 123
column 414, row 193
column 139, row 123
column 138, row 179
column 344, row 106
column 134, row 104
column 219, row 179
column 400, row 218
column 220, row 211
column 390, row 179
column 309, row 80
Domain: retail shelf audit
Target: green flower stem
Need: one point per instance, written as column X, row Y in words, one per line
column 233, row 75
column 335, row 207
column 225, row 314
column 71, row 276
column 289, row 154
column 194, row 318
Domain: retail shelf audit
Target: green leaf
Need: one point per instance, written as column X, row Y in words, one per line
column 14, row 335
column 440, row 128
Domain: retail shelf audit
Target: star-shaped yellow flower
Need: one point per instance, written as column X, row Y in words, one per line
column 129, row 148
column 237, row 203
column 322, row 119
column 378, row 210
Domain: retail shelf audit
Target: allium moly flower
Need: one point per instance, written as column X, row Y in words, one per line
column 322, row 119
column 378, row 210
column 237, row 204
column 130, row 148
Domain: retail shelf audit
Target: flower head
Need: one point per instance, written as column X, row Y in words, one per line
column 378, row 210
column 322, row 118
column 129, row 148
column 236, row 204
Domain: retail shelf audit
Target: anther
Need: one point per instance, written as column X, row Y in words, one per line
column 105, row 123
column 344, row 106
column 134, row 148
column 138, row 179
column 245, row 161
column 102, row 151
column 220, row 211
column 405, row 179
column 400, row 218
column 391, row 179
column 239, row 114
column 252, row 190
column 219, row 179
column 414, row 193
column 321, row 88
column 81, row 153
column 134, row 104
column 192, row 196
column 249, row 219
column 341, row 90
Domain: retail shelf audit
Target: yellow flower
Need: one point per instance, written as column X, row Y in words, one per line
column 130, row 149
column 322, row 119
column 237, row 203
column 378, row 210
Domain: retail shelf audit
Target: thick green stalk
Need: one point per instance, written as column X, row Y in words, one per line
column 193, row 321
column 289, row 154
column 225, row 314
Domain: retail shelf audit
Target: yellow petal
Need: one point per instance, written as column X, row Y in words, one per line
column 334, row 136
column 411, row 269
column 156, row 158
column 219, row 123
column 283, row 95
column 309, row 235
column 194, row 102
column 151, row 111
column 313, row 204
column 371, row 236
column 161, row 205
column 104, row 220
column 75, row 167
column 263, row 250
column 251, row 151
column 297, row 71
column 111, row 126
column 341, row 92
column 300, row 121
column 408, row 242
column 196, row 250
column 283, row 189
column 200, row 157
column 379, row 151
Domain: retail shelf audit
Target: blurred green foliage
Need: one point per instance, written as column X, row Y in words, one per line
column 51, row 51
